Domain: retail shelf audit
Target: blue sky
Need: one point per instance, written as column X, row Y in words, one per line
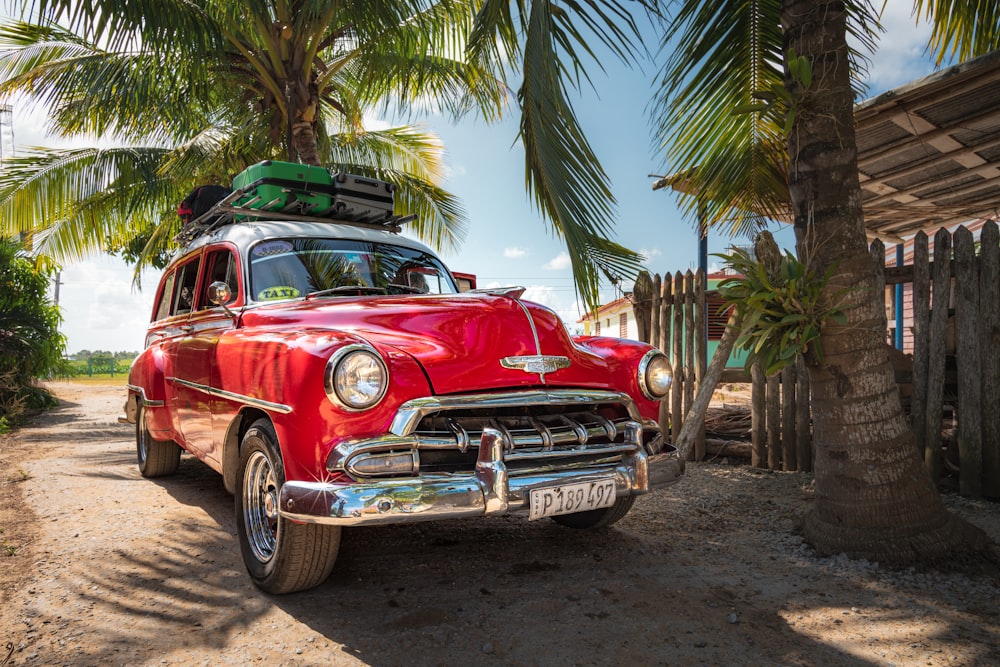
column 508, row 243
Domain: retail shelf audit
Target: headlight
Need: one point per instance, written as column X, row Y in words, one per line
column 655, row 375
column 356, row 377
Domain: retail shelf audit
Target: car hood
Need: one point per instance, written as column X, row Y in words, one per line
column 464, row 342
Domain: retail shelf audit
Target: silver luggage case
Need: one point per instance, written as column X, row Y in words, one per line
column 360, row 199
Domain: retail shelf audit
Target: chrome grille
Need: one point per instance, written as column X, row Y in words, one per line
column 450, row 443
column 541, row 431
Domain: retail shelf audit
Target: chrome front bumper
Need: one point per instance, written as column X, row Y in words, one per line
column 491, row 489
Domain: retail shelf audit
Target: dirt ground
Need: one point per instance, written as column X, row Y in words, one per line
column 99, row 566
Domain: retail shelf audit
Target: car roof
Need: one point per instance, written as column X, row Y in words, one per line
column 244, row 234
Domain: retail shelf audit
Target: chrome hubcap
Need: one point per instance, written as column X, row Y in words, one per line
column 260, row 506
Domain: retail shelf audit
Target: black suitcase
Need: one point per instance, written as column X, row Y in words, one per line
column 360, row 199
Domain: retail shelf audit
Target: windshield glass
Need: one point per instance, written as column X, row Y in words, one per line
column 295, row 268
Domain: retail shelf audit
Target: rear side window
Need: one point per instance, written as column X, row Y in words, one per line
column 166, row 297
column 187, row 280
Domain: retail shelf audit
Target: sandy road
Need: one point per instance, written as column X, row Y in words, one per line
column 109, row 568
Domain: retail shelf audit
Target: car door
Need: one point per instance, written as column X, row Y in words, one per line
column 195, row 362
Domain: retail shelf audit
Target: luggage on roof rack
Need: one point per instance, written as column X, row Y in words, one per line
column 289, row 191
column 287, row 187
column 201, row 200
column 361, row 199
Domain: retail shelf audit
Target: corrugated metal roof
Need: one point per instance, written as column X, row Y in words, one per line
column 929, row 151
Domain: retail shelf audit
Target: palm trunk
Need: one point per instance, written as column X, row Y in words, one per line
column 874, row 499
column 303, row 106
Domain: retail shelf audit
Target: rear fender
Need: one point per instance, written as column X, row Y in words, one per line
column 147, row 385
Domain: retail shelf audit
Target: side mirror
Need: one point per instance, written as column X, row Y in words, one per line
column 219, row 293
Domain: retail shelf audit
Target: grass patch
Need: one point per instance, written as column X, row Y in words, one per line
column 6, row 548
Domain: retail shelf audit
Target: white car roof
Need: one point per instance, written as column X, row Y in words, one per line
column 245, row 234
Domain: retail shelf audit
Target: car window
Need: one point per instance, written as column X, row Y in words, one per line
column 166, row 296
column 187, row 280
column 293, row 268
column 220, row 266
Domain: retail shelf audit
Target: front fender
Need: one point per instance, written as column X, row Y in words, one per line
column 287, row 368
column 622, row 357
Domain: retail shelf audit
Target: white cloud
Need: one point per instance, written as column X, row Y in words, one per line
column 901, row 55
column 561, row 262
column 568, row 309
column 649, row 254
column 514, row 253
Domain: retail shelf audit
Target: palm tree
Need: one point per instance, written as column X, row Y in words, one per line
column 873, row 497
column 199, row 100
column 198, row 90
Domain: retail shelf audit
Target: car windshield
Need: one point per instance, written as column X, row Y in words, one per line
column 295, row 268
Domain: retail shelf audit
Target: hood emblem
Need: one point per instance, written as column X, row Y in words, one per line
column 538, row 363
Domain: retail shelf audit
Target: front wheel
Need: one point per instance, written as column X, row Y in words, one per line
column 157, row 458
column 280, row 555
column 597, row 518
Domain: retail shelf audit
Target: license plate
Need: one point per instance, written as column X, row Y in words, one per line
column 570, row 498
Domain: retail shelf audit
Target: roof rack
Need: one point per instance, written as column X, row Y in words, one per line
column 224, row 213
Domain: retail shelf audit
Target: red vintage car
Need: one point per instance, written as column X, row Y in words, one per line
column 334, row 375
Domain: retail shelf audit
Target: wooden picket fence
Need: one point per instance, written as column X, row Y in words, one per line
column 955, row 402
column 781, row 432
column 955, row 376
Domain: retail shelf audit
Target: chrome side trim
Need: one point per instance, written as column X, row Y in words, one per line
column 249, row 400
column 411, row 412
column 146, row 403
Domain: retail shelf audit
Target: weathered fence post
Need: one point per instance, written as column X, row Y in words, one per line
column 662, row 341
column 700, row 351
column 689, row 361
column 877, row 253
column 970, row 431
column 936, row 353
column 758, row 417
column 654, row 313
column 788, row 440
column 677, row 332
column 642, row 302
column 921, row 342
column 989, row 298
column 773, row 422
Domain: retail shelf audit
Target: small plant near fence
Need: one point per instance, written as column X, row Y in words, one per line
column 780, row 305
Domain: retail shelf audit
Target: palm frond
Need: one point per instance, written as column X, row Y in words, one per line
column 961, row 30
column 562, row 171
column 74, row 202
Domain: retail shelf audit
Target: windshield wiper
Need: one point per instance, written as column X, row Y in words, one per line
column 347, row 290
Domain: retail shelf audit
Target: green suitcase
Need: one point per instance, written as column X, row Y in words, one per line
column 286, row 187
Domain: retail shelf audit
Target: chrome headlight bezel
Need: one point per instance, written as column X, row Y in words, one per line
column 346, row 392
column 653, row 367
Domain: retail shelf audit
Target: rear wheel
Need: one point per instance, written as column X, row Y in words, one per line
column 157, row 458
column 280, row 555
column 597, row 518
